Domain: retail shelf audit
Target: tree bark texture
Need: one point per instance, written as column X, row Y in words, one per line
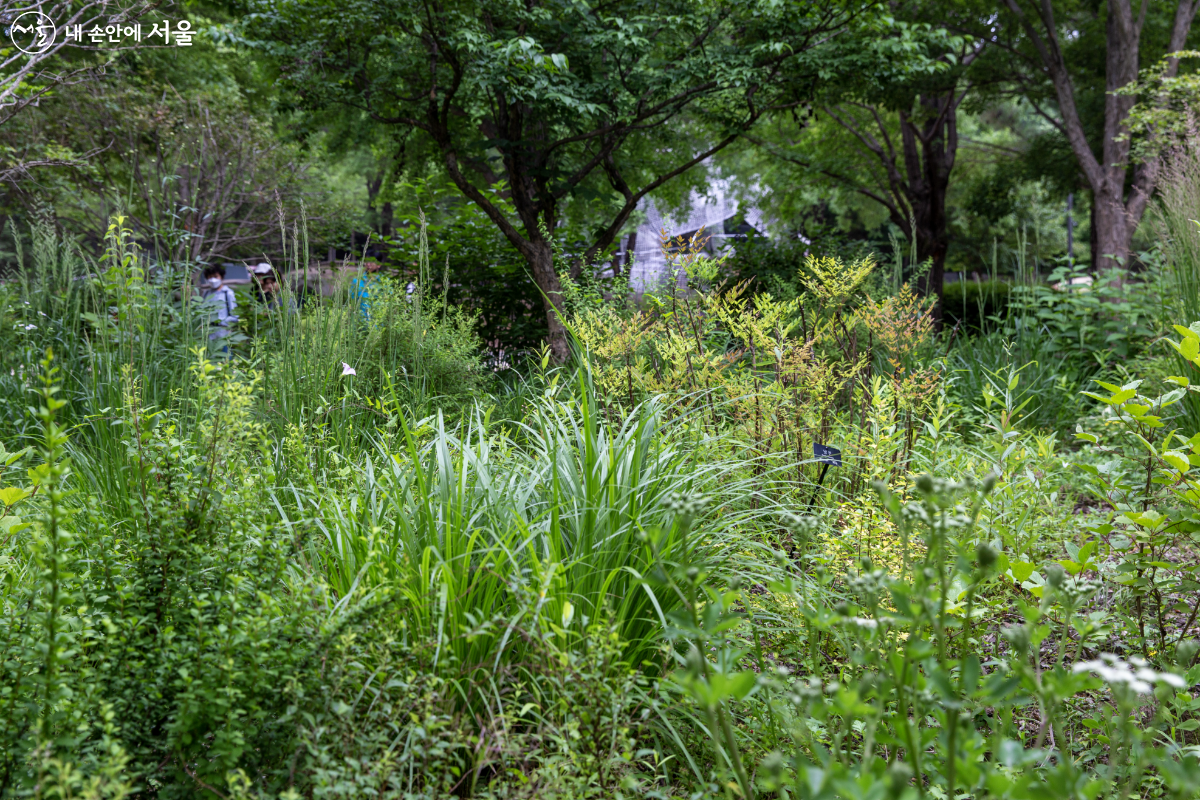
column 918, row 172
column 1107, row 168
column 930, row 149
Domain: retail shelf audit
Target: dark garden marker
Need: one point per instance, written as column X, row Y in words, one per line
column 827, row 457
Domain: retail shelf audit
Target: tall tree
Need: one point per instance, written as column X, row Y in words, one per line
column 198, row 176
column 1051, row 48
column 44, row 60
column 532, row 106
column 899, row 142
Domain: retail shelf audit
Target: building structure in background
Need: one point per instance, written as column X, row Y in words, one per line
column 722, row 218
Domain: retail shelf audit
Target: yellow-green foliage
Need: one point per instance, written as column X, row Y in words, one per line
column 772, row 368
column 834, row 283
column 833, row 366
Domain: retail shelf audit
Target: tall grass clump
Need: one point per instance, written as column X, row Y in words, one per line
column 522, row 575
column 338, row 368
column 1175, row 218
column 491, row 537
column 98, row 315
column 1175, row 215
column 127, row 310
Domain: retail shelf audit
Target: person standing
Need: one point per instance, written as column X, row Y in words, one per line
column 272, row 294
column 221, row 303
column 362, row 286
column 259, row 273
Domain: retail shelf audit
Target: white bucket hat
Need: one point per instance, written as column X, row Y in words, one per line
column 261, row 269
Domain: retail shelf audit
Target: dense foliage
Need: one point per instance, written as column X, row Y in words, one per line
column 343, row 559
column 886, row 491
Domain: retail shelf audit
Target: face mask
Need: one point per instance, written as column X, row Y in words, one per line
column 214, row 283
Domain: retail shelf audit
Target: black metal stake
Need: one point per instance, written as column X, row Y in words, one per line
column 820, row 480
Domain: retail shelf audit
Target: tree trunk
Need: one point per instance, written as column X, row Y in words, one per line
column 387, row 217
column 1112, row 232
column 541, row 261
column 930, row 148
column 1093, row 244
column 1115, row 217
column 931, row 246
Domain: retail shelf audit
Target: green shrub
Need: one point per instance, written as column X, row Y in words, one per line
column 775, row 266
column 971, row 306
column 405, row 351
column 488, row 278
column 1141, row 470
column 435, row 351
column 387, row 724
column 1107, row 322
column 1048, row 380
column 901, row 688
column 158, row 627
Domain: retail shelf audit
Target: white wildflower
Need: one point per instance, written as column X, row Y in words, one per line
column 347, row 370
column 863, row 622
column 1134, row 673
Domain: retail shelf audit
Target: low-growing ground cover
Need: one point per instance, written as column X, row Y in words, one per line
column 347, row 560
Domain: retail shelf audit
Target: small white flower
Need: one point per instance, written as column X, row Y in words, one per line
column 1134, row 674
column 31, row 327
column 863, row 622
column 347, row 370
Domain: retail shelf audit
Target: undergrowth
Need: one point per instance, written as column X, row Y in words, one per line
column 344, row 559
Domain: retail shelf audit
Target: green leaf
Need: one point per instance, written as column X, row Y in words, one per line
column 1171, row 398
column 11, row 524
column 740, row 684
column 1186, row 333
column 1021, row 570
column 1085, row 553
column 720, row 687
column 1177, row 460
column 39, row 474
column 1189, row 348
column 11, row 495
